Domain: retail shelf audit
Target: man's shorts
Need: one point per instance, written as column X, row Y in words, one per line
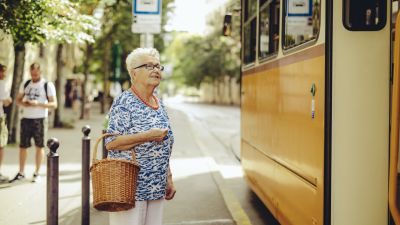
column 3, row 132
column 32, row 128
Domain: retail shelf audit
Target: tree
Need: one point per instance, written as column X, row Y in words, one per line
column 34, row 22
column 207, row 58
column 69, row 25
column 22, row 20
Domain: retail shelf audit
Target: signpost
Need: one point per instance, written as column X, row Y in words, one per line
column 146, row 20
column 146, row 7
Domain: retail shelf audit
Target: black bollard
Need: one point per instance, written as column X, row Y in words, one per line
column 52, row 182
column 85, row 175
column 104, row 146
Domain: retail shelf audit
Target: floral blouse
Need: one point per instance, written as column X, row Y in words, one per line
column 129, row 115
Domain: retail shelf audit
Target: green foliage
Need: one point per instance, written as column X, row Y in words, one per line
column 38, row 20
column 209, row 58
column 116, row 23
column 23, row 19
column 65, row 23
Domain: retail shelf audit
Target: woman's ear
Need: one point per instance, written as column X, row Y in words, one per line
column 132, row 75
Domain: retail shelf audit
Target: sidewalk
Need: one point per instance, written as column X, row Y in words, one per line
column 25, row 202
column 198, row 200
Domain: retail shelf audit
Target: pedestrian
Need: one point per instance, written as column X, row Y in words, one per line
column 76, row 95
column 35, row 96
column 5, row 100
column 141, row 122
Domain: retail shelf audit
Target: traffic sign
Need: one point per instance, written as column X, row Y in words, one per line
column 146, row 28
column 146, row 16
column 146, row 7
column 146, row 19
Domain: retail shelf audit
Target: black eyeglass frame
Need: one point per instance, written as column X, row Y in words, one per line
column 151, row 67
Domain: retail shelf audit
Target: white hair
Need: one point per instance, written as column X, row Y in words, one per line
column 133, row 58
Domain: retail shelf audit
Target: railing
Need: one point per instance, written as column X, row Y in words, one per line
column 53, row 179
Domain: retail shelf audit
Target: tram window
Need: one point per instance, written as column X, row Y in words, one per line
column 250, row 42
column 366, row 15
column 249, row 31
column 250, row 9
column 301, row 21
column 268, row 28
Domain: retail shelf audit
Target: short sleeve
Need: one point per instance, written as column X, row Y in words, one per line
column 119, row 121
column 4, row 94
column 51, row 90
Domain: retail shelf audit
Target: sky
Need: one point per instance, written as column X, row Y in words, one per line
column 190, row 15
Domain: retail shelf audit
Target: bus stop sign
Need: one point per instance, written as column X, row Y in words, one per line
column 146, row 16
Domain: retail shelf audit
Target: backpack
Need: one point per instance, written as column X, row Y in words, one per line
column 45, row 87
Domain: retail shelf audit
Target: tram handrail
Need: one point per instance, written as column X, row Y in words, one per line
column 394, row 132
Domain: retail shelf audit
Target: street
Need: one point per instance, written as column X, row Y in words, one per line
column 205, row 166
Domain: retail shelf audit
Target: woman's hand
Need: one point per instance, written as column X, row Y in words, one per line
column 157, row 134
column 170, row 190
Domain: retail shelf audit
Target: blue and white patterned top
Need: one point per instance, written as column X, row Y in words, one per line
column 129, row 115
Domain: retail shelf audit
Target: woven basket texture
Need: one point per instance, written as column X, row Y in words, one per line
column 114, row 183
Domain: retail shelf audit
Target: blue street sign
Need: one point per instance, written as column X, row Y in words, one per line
column 146, row 7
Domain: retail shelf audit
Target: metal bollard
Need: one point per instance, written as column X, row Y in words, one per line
column 104, row 146
column 52, row 182
column 85, row 175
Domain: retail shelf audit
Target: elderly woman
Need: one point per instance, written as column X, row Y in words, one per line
column 141, row 121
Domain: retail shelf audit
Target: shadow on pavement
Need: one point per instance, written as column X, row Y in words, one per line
column 70, row 172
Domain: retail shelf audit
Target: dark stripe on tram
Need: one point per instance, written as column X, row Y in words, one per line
column 328, row 113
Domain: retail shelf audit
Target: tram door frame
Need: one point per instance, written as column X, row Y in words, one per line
column 358, row 135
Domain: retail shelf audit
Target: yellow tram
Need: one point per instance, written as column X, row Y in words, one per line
column 316, row 92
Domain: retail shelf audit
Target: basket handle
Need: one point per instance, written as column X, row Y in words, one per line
column 97, row 144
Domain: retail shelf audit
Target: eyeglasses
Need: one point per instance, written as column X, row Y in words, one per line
column 151, row 67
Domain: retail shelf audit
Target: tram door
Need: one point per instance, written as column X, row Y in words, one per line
column 360, row 77
column 329, row 167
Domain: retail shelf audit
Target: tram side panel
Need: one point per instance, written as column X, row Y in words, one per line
column 282, row 143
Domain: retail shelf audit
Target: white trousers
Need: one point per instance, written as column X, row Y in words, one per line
column 144, row 213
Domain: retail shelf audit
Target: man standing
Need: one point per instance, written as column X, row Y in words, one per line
column 5, row 100
column 35, row 97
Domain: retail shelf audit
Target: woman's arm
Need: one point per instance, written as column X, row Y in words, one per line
column 170, row 190
column 127, row 142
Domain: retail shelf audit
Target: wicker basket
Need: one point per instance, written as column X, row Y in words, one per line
column 114, row 182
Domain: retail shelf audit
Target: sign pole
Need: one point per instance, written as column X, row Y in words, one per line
column 149, row 40
column 142, row 40
column 146, row 40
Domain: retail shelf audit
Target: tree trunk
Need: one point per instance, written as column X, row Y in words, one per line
column 106, row 71
column 19, row 61
column 60, row 64
column 89, row 50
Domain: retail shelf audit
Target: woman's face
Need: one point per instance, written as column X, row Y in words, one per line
column 145, row 76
